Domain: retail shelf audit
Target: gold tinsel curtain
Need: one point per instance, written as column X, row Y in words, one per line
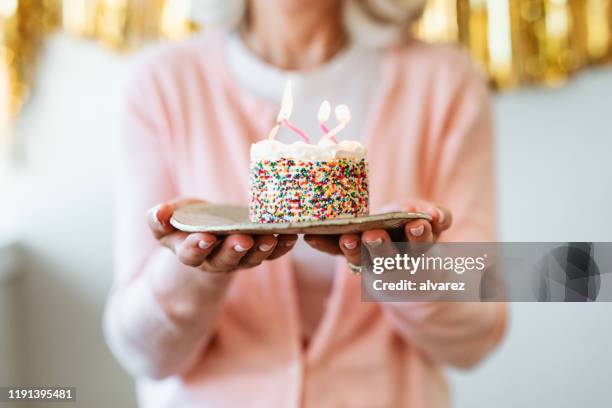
column 516, row 42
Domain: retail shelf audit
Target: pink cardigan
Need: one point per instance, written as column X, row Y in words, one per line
column 235, row 340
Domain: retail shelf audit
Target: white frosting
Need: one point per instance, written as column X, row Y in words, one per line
column 324, row 150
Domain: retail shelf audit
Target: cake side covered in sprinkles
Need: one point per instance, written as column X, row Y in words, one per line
column 303, row 182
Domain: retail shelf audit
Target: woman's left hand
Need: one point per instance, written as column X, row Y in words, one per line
column 417, row 231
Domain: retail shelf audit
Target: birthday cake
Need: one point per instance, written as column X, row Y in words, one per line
column 302, row 181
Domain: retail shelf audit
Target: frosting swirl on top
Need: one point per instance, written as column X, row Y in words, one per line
column 324, row 150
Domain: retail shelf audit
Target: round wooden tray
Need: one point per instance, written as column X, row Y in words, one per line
column 228, row 219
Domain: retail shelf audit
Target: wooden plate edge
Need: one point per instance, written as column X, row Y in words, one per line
column 291, row 228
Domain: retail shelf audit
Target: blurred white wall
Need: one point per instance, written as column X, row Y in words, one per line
column 554, row 184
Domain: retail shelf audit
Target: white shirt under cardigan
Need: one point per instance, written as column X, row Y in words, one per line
column 338, row 81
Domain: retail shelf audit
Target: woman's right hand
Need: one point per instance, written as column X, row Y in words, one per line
column 211, row 253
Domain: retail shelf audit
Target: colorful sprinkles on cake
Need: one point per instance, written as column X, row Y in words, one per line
column 293, row 190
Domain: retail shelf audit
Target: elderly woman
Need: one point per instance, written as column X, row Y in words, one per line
column 245, row 321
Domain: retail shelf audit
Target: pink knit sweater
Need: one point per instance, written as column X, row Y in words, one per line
column 236, row 340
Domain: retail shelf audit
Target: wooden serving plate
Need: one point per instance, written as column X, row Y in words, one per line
column 228, row 219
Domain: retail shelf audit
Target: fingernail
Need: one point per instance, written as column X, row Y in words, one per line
column 154, row 216
column 240, row 248
column 204, row 245
column 290, row 243
column 417, row 231
column 265, row 247
column 441, row 216
column 375, row 243
column 350, row 244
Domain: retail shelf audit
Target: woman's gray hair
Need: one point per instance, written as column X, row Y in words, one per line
column 374, row 23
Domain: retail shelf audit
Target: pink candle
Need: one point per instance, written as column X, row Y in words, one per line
column 343, row 114
column 324, row 112
column 325, row 130
column 296, row 130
